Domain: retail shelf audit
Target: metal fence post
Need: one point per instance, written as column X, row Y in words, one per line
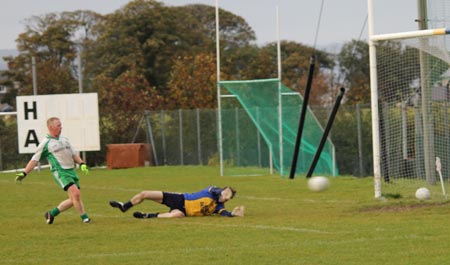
column 180, row 119
column 199, row 139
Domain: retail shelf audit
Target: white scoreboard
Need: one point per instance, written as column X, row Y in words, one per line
column 78, row 114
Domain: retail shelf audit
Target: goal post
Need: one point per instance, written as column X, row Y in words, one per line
column 410, row 80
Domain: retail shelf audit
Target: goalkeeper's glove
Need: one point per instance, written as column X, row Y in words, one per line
column 238, row 211
column 20, row 176
column 84, row 168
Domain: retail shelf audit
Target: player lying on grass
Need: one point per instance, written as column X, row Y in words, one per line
column 208, row 201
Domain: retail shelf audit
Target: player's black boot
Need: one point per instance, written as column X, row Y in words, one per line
column 145, row 215
column 118, row 205
column 49, row 218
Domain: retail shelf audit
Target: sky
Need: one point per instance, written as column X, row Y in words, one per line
column 340, row 20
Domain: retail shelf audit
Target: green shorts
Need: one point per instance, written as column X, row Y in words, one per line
column 66, row 178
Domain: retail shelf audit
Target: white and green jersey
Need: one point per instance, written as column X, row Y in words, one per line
column 58, row 152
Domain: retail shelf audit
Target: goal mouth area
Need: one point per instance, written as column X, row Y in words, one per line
column 410, row 80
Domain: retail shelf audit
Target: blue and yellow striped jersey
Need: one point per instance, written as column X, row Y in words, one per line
column 204, row 202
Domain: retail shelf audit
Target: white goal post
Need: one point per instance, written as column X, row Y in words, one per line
column 410, row 99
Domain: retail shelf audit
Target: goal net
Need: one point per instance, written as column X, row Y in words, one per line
column 412, row 86
column 258, row 134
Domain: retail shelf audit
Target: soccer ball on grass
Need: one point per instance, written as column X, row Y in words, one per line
column 318, row 183
column 423, row 193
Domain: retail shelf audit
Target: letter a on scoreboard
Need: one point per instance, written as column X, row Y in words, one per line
column 78, row 114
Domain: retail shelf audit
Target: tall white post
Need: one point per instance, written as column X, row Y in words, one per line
column 80, row 87
column 280, row 109
column 33, row 71
column 374, row 103
column 219, row 106
column 80, row 73
column 34, row 76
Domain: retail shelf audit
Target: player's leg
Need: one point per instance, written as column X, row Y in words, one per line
column 67, row 180
column 75, row 196
column 172, row 214
column 64, row 205
column 174, row 201
column 156, row 196
column 72, row 188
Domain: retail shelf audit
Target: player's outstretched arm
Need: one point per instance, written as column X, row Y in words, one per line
column 238, row 211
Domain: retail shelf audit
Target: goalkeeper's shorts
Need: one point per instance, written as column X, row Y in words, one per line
column 174, row 201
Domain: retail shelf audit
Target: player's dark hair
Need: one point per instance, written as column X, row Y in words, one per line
column 233, row 191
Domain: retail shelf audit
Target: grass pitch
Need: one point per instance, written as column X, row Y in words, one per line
column 285, row 223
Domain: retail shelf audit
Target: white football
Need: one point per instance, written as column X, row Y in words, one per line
column 423, row 193
column 318, row 183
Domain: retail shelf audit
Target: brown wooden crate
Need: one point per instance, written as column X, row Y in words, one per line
column 128, row 155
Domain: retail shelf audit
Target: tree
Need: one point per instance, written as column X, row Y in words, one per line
column 144, row 34
column 251, row 62
column 84, row 34
column 132, row 95
column 392, row 55
column 53, row 39
column 150, row 36
column 235, row 32
column 193, row 83
column 354, row 69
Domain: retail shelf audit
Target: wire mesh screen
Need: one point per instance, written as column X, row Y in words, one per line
column 183, row 137
column 259, row 101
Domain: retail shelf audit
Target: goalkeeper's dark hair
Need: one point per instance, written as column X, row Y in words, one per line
column 233, row 191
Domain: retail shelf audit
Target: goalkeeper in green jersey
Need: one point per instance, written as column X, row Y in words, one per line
column 62, row 158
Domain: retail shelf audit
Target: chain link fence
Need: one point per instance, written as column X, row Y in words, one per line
column 189, row 137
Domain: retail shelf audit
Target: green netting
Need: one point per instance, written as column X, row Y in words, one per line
column 250, row 116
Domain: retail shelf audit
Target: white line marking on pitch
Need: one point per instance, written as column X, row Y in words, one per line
column 266, row 227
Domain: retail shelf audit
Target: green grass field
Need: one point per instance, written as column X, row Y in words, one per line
column 285, row 223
